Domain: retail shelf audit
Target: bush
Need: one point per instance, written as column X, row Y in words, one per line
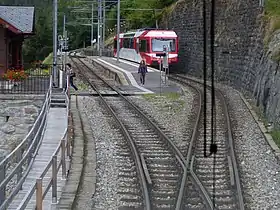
column 15, row 75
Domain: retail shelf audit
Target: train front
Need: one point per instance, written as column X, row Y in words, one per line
column 164, row 42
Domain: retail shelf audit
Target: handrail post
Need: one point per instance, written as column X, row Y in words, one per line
column 67, row 135
column 54, row 179
column 63, row 161
column 19, row 173
column 2, row 177
column 39, row 194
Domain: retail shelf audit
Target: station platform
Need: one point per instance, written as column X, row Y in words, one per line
column 155, row 81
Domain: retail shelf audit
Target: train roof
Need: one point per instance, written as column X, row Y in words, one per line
column 150, row 32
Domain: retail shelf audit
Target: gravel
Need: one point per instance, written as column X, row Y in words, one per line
column 107, row 169
column 258, row 165
column 173, row 112
column 259, row 168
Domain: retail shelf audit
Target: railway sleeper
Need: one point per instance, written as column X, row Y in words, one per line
column 157, row 154
column 164, row 176
column 164, row 166
column 128, row 184
column 172, row 182
column 194, row 206
column 130, row 169
column 131, row 198
column 217, row 181
column 210, row 167
column 128, row 191
column 164, row 200
column 165, row 171
column 127, row 174
column 158, row 160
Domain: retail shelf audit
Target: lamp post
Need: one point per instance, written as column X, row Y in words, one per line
column 104, row 24
column 91, row 39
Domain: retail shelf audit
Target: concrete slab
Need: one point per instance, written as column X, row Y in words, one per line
column 156, row 81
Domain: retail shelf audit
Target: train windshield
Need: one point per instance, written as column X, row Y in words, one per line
column 159, row 44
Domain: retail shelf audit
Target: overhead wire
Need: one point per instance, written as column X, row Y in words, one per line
column 213, row 145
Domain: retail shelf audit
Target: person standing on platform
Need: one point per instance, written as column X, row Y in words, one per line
column 71, row 73
column 142, row 70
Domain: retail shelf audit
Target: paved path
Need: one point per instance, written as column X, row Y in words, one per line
column 56, row 125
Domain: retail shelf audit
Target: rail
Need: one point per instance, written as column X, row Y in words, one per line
column 23, row 155
column 162, row 135
column 235, row 179
column 64, row 147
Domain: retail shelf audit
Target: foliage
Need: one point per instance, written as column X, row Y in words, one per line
column 15, row 75
column 38, row 71
column 272, row 19
column 133, row 17
column 39, row 46
column 49, row 59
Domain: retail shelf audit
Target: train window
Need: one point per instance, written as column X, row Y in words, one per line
column 131, row 43
column 126, row 43
column 158, row 44
column 143, row 46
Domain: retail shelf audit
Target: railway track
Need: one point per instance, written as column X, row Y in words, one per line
column 159, row 165
column 218, row 173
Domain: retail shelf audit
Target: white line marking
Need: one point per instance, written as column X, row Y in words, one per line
column 129, row 75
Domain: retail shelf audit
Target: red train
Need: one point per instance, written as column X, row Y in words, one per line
column 144, row 44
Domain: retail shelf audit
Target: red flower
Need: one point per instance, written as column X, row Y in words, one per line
column 15, row 75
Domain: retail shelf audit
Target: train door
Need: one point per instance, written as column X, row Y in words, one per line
column 136, row 46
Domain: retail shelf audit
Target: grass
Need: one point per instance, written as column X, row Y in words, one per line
column 272, row 19
column 49, row 59
column 168, row 96
column 82, row 86
column 272, row 7
column 275, row 133
column 166, row 101
column 109, row 41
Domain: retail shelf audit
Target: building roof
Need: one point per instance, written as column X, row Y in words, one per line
column 21, row 18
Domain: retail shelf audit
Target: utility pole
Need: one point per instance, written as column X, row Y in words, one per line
column 104, row 24
column 98, row 28
column 91, row 41
column 101, row 25
column 55, row 43
column 63, row 53
column 118, row 31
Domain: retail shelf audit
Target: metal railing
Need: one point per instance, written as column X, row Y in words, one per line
column 64, row 146
column 37, row 82
column 23, row 155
